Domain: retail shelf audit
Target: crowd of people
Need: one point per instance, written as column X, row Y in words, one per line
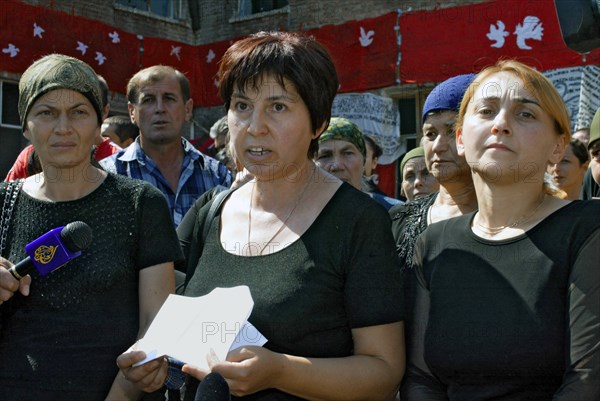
column 480, row 283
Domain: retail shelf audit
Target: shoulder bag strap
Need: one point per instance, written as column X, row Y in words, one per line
column 212, row 212
column 10, row 198
column 197, row 248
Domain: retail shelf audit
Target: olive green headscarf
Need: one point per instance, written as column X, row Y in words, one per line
column 345, row 130
column 416, row 152
column 57, row 71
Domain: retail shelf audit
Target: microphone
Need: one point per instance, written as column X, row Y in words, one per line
column 54, row 249
column 213, row 388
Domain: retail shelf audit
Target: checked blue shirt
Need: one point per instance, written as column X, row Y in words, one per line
column 199, row 173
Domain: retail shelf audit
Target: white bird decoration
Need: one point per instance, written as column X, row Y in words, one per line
column 114, row 36
column 100, row 58
column 497, row 34
column 530, row 29
column 175, row 51
column 37, row 30
column 210, row 56
column 12, row 50
column 365, row 38
column 82, row 47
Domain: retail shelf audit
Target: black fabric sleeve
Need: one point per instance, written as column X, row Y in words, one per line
column 582, row 377
column 373, row 285
column 418, row 382
column 158, row 241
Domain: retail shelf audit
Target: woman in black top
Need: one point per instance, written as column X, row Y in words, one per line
column 508, row 295
column 316, row 253
column 61, row 333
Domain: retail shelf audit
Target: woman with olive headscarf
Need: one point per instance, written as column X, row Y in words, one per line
column 60, row 333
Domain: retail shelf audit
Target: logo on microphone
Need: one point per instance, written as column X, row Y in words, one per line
column 45, row 253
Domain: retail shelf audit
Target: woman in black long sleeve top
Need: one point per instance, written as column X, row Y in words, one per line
column 509, row 296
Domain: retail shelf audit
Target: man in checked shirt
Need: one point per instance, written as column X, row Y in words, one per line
column 159, row 103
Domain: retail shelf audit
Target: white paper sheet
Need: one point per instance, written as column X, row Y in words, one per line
column 187, row 328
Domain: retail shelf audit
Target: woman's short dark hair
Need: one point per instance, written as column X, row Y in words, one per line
column 579, row 150
column 296, row 57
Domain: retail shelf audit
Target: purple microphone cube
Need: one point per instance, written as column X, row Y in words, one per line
column 48, row 252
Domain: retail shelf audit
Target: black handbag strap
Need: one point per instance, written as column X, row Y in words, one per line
column 212, row 212
column 197, row 247
column 10, row 198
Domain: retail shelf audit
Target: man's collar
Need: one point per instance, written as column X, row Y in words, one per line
column 135, row 152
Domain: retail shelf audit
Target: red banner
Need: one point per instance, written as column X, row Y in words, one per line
column 205, row 72
column 29, row 32
column 364, row 52
column 177, row 55
column 434, row 45
column 457, row 40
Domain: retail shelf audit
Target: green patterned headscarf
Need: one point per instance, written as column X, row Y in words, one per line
column 57, row 71
column 345, row 130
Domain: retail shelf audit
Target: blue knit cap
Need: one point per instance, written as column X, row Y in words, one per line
column 447, row 95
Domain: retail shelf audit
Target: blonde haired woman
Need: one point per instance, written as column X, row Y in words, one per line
column 509, row 294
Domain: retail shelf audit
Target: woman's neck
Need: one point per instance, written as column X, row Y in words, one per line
column 508, row 206
column 452, row 201
column 279, row 191
column 572, row 192
column 459, row 194
column 65, row 184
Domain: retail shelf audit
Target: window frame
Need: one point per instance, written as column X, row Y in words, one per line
column 176, row 11
column 2, row 123
column 238, row 17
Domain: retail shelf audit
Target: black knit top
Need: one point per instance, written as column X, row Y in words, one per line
column 61, row 342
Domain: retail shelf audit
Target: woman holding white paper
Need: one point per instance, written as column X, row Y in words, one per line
column 317, row 254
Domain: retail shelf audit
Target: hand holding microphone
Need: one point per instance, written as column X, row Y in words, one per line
column 54, row 249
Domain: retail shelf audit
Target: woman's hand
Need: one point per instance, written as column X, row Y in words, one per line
column 247, row 369
column 9, row 285
column 147, row 377
column 373, row 373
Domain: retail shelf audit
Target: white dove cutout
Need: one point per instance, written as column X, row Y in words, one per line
column 210, row 56
column 530, row 29
column 37, row 30
column 175, row 51
column 365, row 38
column 114, row 36
column 100, row 58
column 497, row 34
column 12, row 50
column 82, row 47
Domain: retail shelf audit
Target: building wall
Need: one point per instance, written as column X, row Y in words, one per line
column 207, row 21
column 127, row 19
column 217, row 20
